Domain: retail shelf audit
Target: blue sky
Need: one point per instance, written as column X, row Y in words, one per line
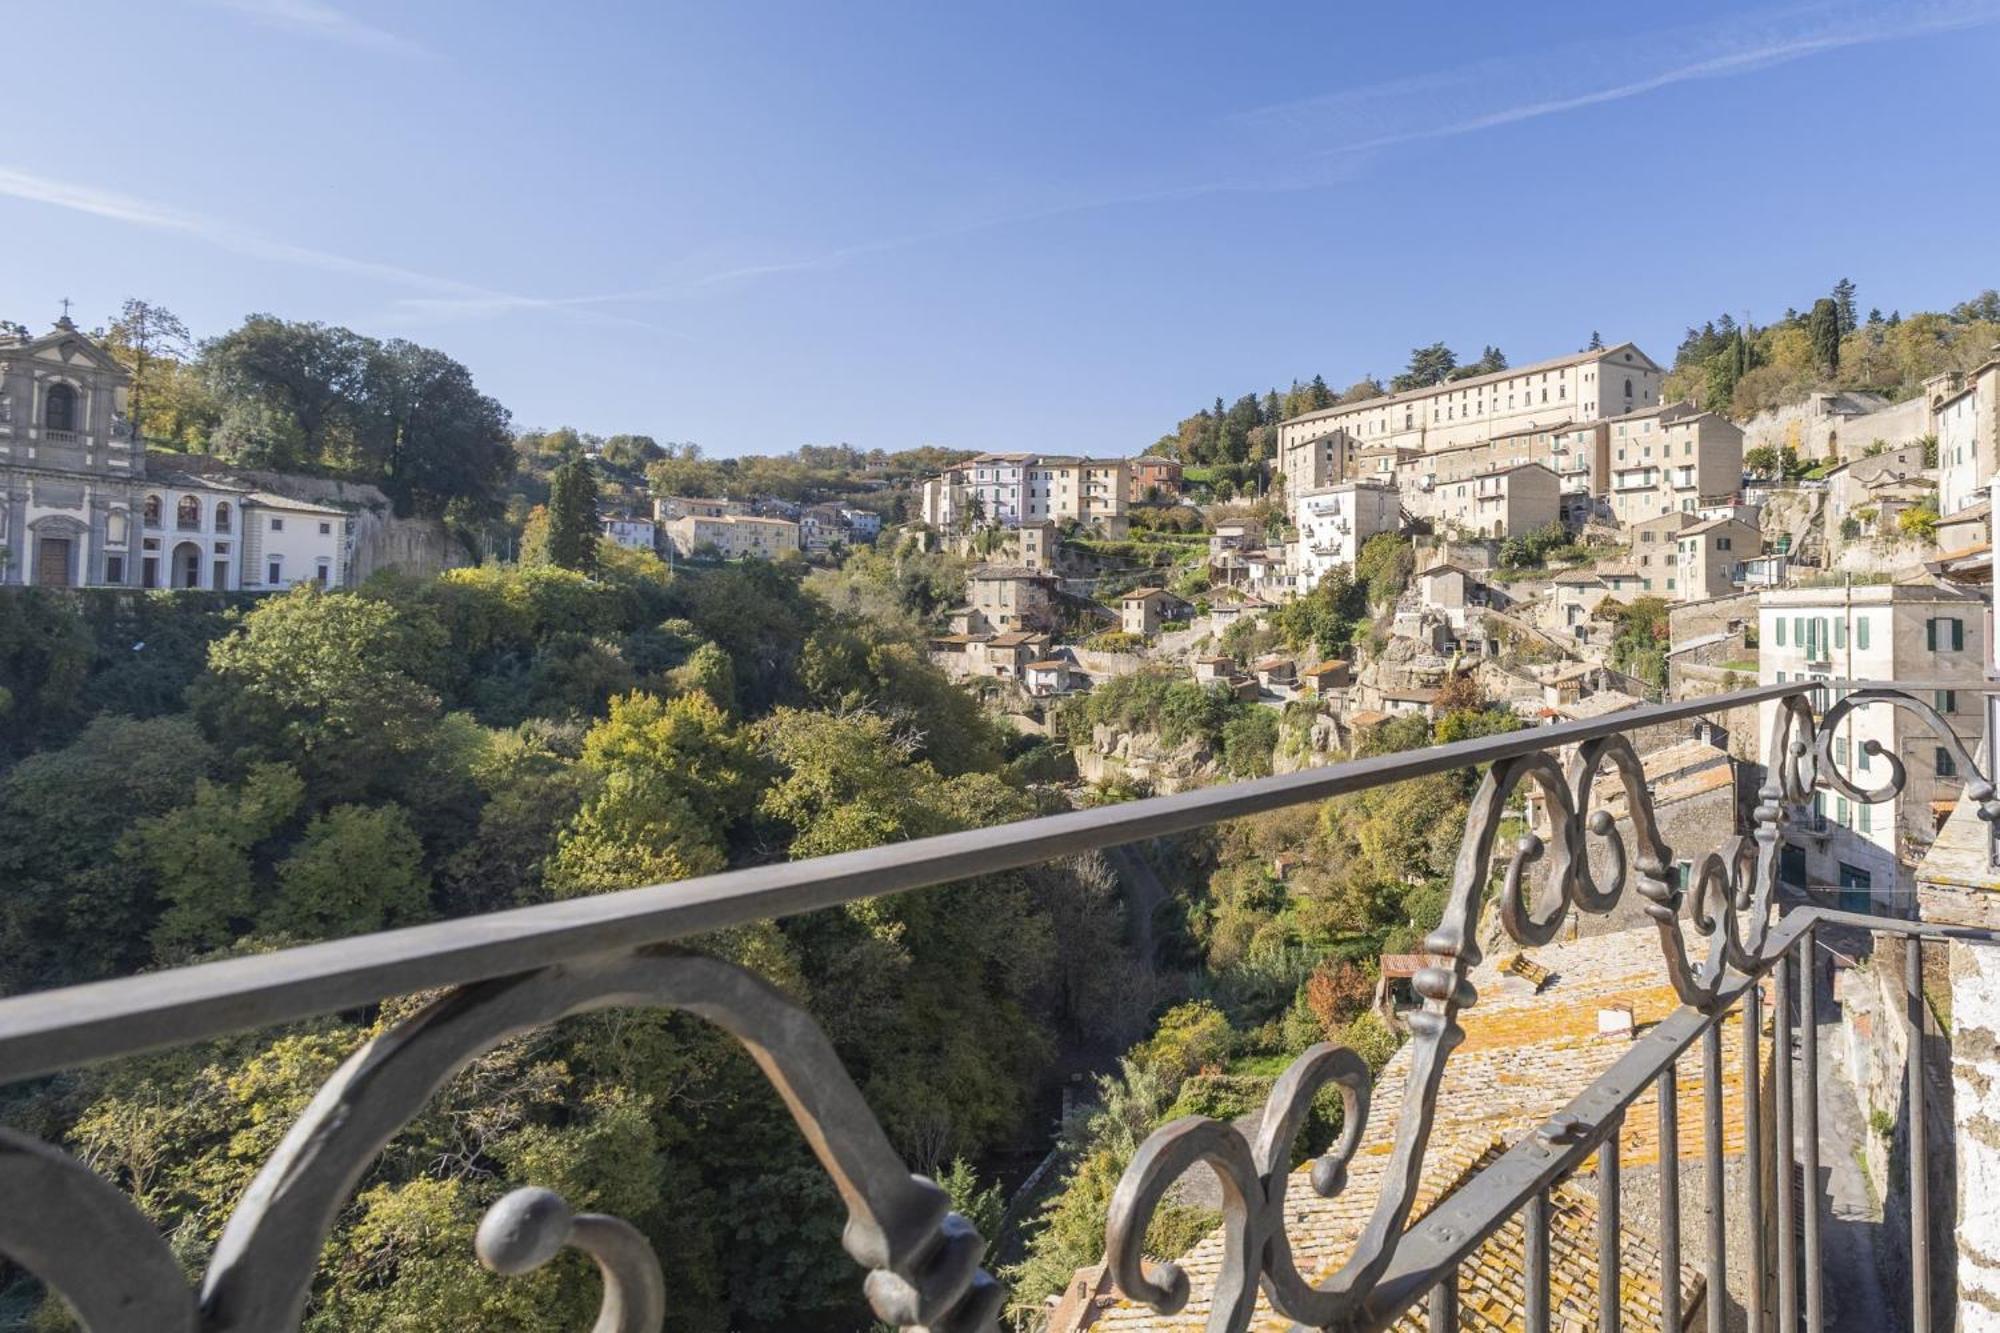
column 1054, row 226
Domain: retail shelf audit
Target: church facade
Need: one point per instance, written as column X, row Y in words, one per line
column 80, row 508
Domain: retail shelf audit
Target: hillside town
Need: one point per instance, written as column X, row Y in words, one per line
column 1495, row 552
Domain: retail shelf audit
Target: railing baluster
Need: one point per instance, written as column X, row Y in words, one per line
column 1754, row 1302
column 1444, row 1304
column 1809, row 1129
column 1781, row 1089
column 1535, row 1219
column 1609, row 1269
column 1711, row 1175
column 1920, row 1184
column 1670, row 1198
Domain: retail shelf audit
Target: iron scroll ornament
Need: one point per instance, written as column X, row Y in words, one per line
column 923, row 1259
column 1732, row 894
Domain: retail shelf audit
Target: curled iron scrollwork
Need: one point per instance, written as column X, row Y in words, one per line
column 1728, row 901
column 923, row 1259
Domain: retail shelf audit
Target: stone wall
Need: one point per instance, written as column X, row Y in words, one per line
column 1873, row 1034
column 1714, row 615
column 1815, row 434
column 1975, row 1074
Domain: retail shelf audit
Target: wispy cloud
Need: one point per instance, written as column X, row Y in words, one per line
column 1493, row 94
column 319, row 20
column 28, row 187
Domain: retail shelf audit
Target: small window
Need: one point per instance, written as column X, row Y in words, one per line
column 1840, row 751
column 1861, row 631
column 277, row 525
column 1865, row 818
column 1781, row 635
column 1947, row 767
column 187, row 514
column 326, row 529
column 152, row 511
column 1945, row 701
column 222, row 515
column 114, row 570
column 1840, row 814
column 276, row 573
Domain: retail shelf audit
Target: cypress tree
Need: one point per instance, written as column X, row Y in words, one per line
column 1823, row 327
column 573, row 522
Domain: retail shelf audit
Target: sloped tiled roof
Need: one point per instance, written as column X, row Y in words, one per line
column 1526, row 1053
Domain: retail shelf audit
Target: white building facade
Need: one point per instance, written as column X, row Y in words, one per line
column 78, row 507
column 1335, row 522
column 1916, row 632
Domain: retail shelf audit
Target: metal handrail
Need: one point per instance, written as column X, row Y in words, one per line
column 77, row 1025
column 508, row 972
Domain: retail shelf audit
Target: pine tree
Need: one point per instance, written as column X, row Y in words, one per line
column 1843, row 301
column 573, row 522
column 1875, row 317
column 1596, row 342
column 1321, row 396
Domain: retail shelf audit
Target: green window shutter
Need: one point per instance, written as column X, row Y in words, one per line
column 1840, row 633
column 1781, row 631
column 1930, row 634
column 1861, row 631
column 1957, row 635
column 1867, row 818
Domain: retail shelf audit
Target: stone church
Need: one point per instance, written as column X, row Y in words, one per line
column 80, row 507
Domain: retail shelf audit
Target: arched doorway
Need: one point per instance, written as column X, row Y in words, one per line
column 187, row 566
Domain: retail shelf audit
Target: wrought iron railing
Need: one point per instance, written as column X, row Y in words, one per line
column 509, row 972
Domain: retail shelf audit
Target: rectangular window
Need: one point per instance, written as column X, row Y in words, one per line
column 277, row 525
column 1947, row 767
column 1781, row 634
column 276, row 572
column 1840, row 633
column 1840, row 751
column 1861, row 632
column 1945, row 701
column 114, row 569
column 1798, row 631
column 1867, row 818
column 1781, row 678
column 1840, row 815
column 1861, row 756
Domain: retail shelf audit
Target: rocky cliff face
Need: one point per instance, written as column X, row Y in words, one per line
column 1117, row 756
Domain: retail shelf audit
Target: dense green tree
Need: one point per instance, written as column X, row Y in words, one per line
column 574, row 529
column 200, row 856
column 358, row 868
column 672, row 777
column 335, row 683
column 75, row 908
column 1428, row 366
column 1823, row 326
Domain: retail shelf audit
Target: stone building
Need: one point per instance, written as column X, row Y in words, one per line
column 1673, row 457
column 1968, row 438
column 1709, row 558
column 1913, row 631
column 1508, row 500
column 79, row 506
column 733, row 536
column 1588, row 386
column 1005, row 598
column 1335, row 522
